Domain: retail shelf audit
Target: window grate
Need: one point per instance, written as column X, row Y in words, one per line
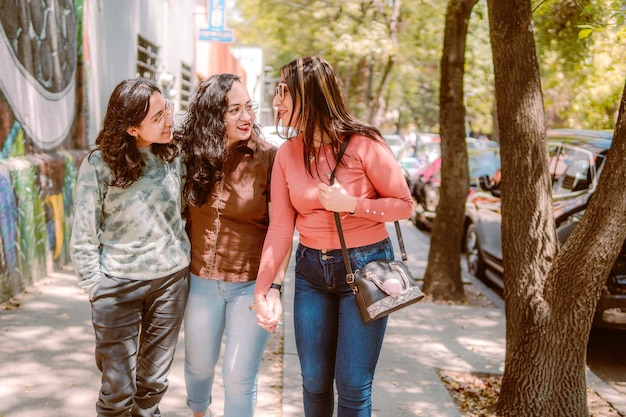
column 147, row 55
column 186, row 85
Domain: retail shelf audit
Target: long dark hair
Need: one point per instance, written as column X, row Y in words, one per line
column 128, row 106
column 315, row 88
column 203, row 137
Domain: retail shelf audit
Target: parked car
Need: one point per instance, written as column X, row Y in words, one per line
column 428, row 152
column 482, row 161
column 473, row 143
column 426, row 138
column 576, row 159
column 411, row 168
column 611, row 307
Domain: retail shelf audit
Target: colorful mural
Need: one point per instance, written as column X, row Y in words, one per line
column 42, row 136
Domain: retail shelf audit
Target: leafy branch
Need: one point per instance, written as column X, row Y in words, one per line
column 616, row 19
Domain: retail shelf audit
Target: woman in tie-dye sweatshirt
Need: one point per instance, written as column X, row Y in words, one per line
column 130, row 249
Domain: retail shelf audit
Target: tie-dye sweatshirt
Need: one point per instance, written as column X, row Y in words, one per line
column 135, row 233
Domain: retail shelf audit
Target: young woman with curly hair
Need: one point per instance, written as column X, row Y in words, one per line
column 228, row 212
column 130, row 249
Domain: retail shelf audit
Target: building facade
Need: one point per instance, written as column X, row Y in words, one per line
column 59, row 62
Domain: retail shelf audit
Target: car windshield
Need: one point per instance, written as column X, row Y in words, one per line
column 429, row 152
column 396, row 144
column 394, row 140
column 571, row 168
column 483, row 161
column 411, row 163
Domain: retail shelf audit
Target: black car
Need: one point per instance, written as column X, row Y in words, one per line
column 611, row 308
column 576, row 161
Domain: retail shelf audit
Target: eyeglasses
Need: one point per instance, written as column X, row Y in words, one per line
column 236, row 110
column 168, row 112
column 281, row 88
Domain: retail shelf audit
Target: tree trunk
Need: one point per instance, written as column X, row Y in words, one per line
column 549, row 298
column 443, row 274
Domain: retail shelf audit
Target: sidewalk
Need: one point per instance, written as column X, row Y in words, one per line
column 419, row 339
column 47, row 366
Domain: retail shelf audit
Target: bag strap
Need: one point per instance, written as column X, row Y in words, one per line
column 344, row 250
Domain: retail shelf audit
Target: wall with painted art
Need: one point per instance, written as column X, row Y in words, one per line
column 59, row 61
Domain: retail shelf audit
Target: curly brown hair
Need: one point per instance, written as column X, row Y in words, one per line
column 128, row 106
column 203, row 137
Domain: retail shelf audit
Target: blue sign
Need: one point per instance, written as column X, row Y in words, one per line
column 216, row 32
column 216, row 35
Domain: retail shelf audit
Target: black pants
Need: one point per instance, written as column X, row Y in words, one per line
column 136, row 325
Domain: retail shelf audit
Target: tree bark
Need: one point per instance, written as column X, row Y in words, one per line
column 442, row 279
column 549, row 298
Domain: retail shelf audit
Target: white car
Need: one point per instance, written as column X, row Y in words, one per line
column 396, row 143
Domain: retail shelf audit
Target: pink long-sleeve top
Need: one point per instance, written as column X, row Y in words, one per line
column 371, row 173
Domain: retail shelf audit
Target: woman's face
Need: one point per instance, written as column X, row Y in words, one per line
column 156, row 127
column 239, row 114
column 286, row 111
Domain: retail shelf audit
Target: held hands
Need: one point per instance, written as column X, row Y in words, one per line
column 269, row 309
column 336, row 198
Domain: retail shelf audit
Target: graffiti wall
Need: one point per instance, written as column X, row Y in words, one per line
column 42, row 136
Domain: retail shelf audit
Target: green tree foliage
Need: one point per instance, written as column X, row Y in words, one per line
column 582, row 78
column 357, row 38
column 479, row 83
column 414, row 85
column 616, row 20
column 388, row 52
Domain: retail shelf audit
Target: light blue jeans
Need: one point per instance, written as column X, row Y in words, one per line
column 214, row 309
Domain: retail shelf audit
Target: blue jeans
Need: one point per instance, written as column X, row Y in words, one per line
column 334, row 345
column 215, row 308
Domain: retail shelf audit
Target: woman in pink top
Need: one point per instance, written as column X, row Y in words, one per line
column 334, row 345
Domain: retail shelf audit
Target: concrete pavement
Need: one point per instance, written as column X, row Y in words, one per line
column 47, row 366
column 421, row 339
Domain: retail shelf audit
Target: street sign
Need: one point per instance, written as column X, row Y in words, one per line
column 216, row 35
column 217, row 31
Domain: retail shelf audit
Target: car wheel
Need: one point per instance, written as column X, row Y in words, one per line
column 475, row 263
column 431, row 198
